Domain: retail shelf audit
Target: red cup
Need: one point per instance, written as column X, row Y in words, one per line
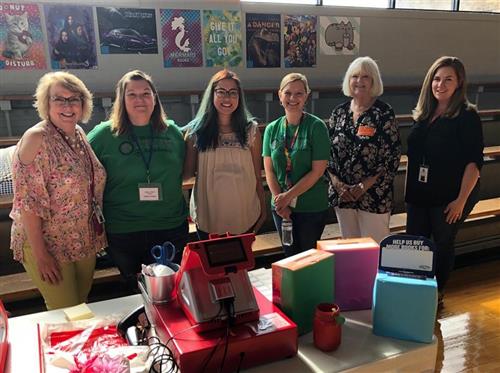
column 327, row 332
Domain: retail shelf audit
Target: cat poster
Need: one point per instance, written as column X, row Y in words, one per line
column 300, row 41
column 71, row 37
column 127, row 30
column 181, row 38
column 222, row 38
column 263, row 40
column 339, row 35
column 21, row 37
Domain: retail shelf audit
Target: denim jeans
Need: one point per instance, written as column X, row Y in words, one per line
column 307, row 229
column 129, row 250
column 431, row 222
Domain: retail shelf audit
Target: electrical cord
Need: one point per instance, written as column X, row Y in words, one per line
column 229, row 306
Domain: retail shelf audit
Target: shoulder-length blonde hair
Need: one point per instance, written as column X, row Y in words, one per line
column 427, row 103
column 368, row 66
column 120, row 122
column 68, row 81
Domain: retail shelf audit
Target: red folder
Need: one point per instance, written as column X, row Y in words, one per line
column 4, row 344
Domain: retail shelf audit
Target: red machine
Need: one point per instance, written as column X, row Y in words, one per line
column 217, row 319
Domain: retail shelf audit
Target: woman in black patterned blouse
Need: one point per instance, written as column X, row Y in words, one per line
column 365, row 154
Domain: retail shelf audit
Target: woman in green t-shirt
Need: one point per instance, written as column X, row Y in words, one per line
column 296, row 150
column 143, row 154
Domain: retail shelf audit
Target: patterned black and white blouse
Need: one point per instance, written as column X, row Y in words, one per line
column 356, row 154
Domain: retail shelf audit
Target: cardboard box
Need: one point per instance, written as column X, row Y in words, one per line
column 302, row 281
column 356, row 264
column 404, row 307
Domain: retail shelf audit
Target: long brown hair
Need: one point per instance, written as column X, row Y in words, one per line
column 427, row 103
column 120, row 122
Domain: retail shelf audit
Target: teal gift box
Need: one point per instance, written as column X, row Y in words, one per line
column 301, row 282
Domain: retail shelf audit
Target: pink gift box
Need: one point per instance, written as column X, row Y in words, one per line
column 356, row 265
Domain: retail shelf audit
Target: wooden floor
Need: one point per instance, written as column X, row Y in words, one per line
column 468, row 327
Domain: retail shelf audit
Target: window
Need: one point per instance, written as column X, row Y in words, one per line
column 361, row 3
column 480, row 5
column 426, row 4
column 311, row 2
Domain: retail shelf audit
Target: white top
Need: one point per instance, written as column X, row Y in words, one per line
column 224, row 197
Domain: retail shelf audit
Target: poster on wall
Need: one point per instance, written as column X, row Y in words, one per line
column 222, row 37
column 263, row 40
column 71, row 36
column 300, row 41
column 127, row 30
column 339, row 35
column 21, row 37
column 181, row 38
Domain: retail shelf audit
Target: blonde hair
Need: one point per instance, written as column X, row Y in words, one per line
column 120, row 122
column 68, row 81
column 427, row 103
column 368, row 66
column 293, row 77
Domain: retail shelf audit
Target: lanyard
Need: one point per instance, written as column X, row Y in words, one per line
column 288, row 149
column 87, row 155
column 147, row 163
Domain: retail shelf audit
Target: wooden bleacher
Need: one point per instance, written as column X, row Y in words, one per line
column 19, row 286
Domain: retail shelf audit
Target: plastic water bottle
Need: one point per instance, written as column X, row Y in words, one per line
column 286, row 232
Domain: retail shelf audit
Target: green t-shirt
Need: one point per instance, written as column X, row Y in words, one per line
column 126, row 169
column 312, row 144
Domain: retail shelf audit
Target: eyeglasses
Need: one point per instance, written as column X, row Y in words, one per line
column 63, row 101
column 222, row 93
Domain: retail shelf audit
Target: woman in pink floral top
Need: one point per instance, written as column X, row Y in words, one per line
column 58, row 188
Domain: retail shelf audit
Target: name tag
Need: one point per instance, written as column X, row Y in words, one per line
column 150, row 192
column 423, row 174
column 366, row 131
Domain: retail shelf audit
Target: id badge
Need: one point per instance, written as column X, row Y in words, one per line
column 98, row 212
column 423, row 174
column 150, row 192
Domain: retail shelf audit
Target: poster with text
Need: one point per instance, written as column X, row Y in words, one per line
column 222, row 37
column 71, row 36
column 300, row 41
column 263, row 40
column 127, row 30
column 21, row 37
column 339, row 35
column 181, row 38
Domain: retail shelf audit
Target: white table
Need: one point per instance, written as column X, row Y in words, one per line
column 360, row 351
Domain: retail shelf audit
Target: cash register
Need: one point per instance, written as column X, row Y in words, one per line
column 216, row 320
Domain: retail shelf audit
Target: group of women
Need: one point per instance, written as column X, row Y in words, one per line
column 129, row 171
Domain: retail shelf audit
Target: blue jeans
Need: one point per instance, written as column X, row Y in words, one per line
column 307, row 230
column 129, row 250
column 431, row 222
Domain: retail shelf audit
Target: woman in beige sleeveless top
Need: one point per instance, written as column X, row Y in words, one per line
column 223, row 147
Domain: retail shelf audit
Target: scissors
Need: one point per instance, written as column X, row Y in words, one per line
column 164, row 254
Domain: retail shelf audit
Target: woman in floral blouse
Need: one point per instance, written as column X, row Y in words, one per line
column 58, row 187
column 365, row 152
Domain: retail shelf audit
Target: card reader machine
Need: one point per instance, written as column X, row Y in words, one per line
column 213, row 281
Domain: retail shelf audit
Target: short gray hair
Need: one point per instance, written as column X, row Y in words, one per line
column 369, row 66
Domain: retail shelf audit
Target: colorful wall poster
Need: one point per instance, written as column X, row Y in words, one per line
column 300, row 41
column 21, row 37
column 222, row 37
column 127, row 30
column 263, row 40
column 181, row 38
column 339, row 35
column 71, row 36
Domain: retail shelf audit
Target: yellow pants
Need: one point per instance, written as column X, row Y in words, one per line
column 75, row 285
